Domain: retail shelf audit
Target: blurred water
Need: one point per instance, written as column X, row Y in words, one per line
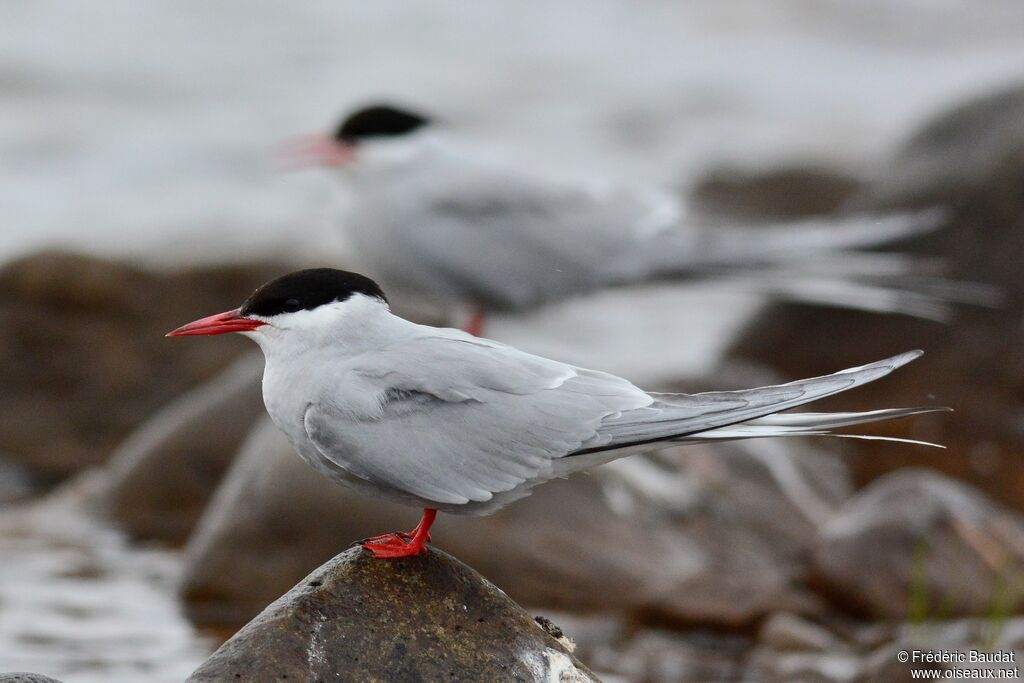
column 128, row 126
column 145, row 129
column 77, row 603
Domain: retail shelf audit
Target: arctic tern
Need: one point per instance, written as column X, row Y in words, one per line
column 428, row 214
column 443, row 420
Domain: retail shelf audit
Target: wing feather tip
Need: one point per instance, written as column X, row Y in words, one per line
column 901, row 359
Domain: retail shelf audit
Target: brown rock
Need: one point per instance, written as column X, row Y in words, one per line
column 957, row 154
column 84, row 356
column 917, row 544
column 428, row 618
column 969, row 161
column 163, row 476
column 782, row 193
column 689, row 536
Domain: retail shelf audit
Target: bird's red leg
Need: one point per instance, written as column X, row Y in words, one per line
column 401, row 534
column 403, row 545
column 475, row 326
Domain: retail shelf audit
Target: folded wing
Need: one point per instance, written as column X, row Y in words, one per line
column 462, row 419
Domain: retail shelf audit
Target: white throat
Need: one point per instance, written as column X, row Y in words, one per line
column 359, row 324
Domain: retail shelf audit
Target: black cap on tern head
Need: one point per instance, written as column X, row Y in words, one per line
column 304, row 290
column 378, row 121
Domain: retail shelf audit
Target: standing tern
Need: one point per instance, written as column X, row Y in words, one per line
column 428, row 214
column 442, row 420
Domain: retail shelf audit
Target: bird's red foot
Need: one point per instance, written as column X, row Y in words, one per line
column 402, row 544
column 476, row 322
column 384, row 537
column 395, row 545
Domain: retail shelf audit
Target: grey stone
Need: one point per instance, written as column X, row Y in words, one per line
column 917, row 544
column 770, row 666
column 990, row 635
column 790, row 632
column 22, row 677
column 661, row 656
column 428, row 618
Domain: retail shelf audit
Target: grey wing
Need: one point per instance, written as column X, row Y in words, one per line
column 462, row 419
column 685, row 417
column 511, row 243
column 477, row 420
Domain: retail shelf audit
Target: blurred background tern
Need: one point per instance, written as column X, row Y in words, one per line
column 432, row 214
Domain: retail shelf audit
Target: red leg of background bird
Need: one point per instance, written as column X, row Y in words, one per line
column 475, row 326
column 403, row 545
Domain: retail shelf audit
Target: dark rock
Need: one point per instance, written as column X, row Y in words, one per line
column 21, row 677
column 680, row 537
column 549, row 627
column 429, row 618
column 974, row 367
column 916, row 544
column 16, row 483
column 778, row 194
column 970, row 161
column 84, row 355
column 163, row 476
column 956, row 154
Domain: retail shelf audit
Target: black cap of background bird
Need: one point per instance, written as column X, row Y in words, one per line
column 304, row 290
column 379, row 121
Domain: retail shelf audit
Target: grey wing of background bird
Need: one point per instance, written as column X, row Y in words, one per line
column 509, row 243
column 814, row 261
column 462, row 421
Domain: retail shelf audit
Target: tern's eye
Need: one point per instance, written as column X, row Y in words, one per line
column 292, row 305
